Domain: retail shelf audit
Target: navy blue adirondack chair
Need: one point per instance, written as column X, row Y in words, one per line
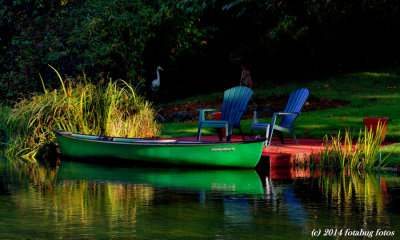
column 234, row 104
column 289, row 115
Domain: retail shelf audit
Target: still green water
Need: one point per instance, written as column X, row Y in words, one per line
column 76, row 200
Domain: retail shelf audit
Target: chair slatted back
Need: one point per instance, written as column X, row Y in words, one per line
column 235, row 98
column 295, row 104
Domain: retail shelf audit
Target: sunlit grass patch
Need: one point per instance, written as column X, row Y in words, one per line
column 112, row 109
column 368, row 77
column 393, row 153
column 189, row 129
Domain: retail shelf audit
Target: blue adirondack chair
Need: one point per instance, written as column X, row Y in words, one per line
column 234, row 104
column 289, row 115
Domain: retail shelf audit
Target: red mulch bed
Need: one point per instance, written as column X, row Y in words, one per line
column 189, row 109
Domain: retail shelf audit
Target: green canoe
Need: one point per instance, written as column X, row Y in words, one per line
column 238, row 154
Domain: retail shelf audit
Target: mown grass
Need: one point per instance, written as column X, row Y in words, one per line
column 111, row 109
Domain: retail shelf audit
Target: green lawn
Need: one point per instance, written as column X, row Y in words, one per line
column 370, row 93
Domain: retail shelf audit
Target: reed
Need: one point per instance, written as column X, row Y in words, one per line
column 343, row 153
column 112, row 109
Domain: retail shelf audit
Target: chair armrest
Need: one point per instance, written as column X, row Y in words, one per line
column 279, row 112
column 255, row 117
column 287, row 113
column 209, row 110
column 202, row 113
column 264, row 111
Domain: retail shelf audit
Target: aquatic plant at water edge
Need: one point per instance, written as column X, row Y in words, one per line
column 112, row 109
column 348, row 154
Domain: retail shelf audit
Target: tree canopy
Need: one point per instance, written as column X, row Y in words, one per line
column 201, row 43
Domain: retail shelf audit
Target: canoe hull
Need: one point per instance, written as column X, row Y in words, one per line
column 218, row 154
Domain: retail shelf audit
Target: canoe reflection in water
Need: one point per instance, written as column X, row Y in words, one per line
column 241, row 191
column 234, row 186
column 226, row 181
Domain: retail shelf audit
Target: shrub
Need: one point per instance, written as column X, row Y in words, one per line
column 95, row 36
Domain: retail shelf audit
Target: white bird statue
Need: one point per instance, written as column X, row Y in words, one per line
column 155, row 84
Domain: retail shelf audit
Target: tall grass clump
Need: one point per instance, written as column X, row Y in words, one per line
column 344, row 153
column 112, row 109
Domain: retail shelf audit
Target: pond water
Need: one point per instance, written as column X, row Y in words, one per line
column 87, row 201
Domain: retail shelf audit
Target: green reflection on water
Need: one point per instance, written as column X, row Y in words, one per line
column 237, row 181
column 368, row 189
column 78, row 200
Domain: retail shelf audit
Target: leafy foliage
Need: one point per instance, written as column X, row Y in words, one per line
column 97, row 37
column 126, row 39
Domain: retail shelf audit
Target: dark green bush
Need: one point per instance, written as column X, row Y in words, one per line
column 97, row 37
column 197, row 41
